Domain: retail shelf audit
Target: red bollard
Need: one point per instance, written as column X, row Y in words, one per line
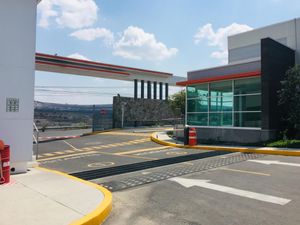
column 192, row 136
column 5, row 164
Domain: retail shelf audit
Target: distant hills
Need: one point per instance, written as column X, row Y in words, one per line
column 47, row 106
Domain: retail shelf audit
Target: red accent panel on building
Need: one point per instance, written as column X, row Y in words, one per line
column 102, row 64
column 220, row 78
column 82, row 68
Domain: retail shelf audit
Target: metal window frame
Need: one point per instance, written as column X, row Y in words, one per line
column 210, row 112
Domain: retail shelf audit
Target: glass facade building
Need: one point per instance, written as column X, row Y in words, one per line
column 229, row 103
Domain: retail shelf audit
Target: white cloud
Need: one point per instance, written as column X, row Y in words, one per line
column 73, row 14
column 218, row 38
column 76, row 55
column 94, row 33
column 136, row 44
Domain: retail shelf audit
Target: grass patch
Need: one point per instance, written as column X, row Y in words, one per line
column 284, row 144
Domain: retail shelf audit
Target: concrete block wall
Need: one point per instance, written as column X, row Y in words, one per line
column 140, row 111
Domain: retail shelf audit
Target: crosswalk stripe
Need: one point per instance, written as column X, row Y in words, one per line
column 142, row 150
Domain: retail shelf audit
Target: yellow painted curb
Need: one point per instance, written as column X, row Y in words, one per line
column 230, row 149
column 101, row 212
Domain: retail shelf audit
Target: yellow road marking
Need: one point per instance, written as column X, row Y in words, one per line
column 94, row 147
column 142, row 150
column 69, row 151
column 128, row 156
column 246, row 171
column 48, row 154
column 58, row 153
column 65, row 156
column 126, row 134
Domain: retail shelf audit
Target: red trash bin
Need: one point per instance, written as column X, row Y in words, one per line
column 4, row 163
column 192, row 136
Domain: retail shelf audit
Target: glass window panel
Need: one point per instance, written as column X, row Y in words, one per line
column 197, row 105
column 247, row 103
column 200, row 90
column 247, row 119
column 191, row 92
column 247, row 86
column 197, row 119
column 219, row 89
column 220, row 119
column 221, row 104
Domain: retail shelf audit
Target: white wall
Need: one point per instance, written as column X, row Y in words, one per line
column 17, row 68
column 247, row 44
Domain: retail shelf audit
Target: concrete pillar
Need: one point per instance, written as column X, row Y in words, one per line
column 154, row 90
column 142, row 88
column 17, row 69
column 149, row 89
column 160, row 90
column 135, row 88
column 166, row 91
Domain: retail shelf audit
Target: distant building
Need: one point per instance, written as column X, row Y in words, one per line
column 238, row 102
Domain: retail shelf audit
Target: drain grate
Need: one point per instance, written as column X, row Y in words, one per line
column 199, row 166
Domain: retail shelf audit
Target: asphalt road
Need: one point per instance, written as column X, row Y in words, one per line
column 106, row 150
column 246, row 192
column 231, row 189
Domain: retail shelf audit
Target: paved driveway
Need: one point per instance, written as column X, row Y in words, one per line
column 111, row 149
column 248, row 192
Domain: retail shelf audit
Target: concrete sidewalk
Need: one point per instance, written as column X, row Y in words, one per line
column 164, row 139
column 52, row 198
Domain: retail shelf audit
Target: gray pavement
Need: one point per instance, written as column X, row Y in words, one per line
column 41, row 197
column 228, row 199
column 104, row 150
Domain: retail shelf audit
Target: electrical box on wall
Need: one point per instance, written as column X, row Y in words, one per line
column 12, row 104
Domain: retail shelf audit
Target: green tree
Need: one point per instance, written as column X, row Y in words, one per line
column 177, row 102
column 289, row 102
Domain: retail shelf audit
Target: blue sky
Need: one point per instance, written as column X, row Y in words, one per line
column 166, row 35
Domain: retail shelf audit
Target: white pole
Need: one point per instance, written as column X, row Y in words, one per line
column 122, row 115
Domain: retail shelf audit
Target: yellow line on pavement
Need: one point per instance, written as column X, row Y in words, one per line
column 246, row 171
column 66, row 156
column 93, row 148
column 48, row 154
column 142, row 150
column 126, row 134
column 70, row 151
column 58, row 153
column 128, row 156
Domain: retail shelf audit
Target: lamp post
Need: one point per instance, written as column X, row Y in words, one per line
column 123, row 109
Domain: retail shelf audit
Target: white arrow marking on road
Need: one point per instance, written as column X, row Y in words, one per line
column 234, row 191
column 269, row 162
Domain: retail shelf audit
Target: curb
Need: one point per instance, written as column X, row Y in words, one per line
column 101, row 212
column 266, row 151
column 59, row 138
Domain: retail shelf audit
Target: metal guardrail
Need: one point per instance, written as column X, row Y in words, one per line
column 36, row 140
